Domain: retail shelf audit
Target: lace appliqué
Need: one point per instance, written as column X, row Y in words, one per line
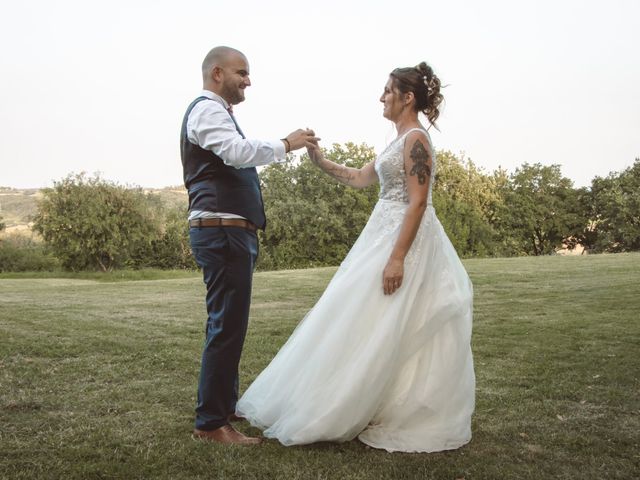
column 390, row 216
column 386, row 222
column 390, row 169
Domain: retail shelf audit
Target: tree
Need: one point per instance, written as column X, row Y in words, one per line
column 614, row 208
column 542, row 210
column 468, row 203
column 2, row 225
column 313, row 220
column 90, row 223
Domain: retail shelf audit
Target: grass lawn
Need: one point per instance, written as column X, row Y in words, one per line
column 98, row 379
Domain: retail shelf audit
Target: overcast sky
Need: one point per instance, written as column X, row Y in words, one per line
column 102, row 86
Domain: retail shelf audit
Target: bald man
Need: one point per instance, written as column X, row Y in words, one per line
column 225, row 211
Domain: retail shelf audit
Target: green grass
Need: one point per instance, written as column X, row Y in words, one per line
column 97, row 379
column 108, row 277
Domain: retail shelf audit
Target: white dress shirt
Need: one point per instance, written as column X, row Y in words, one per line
column 211, row 127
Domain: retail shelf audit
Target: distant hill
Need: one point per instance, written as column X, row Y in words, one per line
column 19, row 206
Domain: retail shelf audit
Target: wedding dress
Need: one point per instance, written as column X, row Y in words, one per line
column 396, row 370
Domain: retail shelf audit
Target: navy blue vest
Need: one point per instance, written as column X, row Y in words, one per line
column 216, row 187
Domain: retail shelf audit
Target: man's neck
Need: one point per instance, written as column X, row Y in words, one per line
column 225, row 103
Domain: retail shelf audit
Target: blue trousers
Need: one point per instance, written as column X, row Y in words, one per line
column 227, row 256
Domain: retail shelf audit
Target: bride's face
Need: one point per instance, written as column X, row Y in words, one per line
column 391, row 98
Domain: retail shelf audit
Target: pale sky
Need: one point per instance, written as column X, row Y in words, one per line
column 102, row 86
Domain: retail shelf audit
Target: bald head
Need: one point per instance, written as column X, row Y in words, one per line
column 225, row 71
column 218, row 57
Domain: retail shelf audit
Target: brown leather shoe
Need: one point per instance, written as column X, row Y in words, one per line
column 225, row 434
column 235, row 418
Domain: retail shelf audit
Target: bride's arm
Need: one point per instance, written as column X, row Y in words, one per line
column 417, row 166
column 354, row 177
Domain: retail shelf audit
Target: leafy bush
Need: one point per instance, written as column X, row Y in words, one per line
column 170, row 248
column 20, row 253
column 90, row 223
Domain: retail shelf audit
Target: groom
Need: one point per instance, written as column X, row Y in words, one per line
column 225, row 211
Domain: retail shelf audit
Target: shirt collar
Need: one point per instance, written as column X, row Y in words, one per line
column 215, row 97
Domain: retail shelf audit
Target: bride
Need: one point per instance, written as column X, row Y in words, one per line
column 385, row 354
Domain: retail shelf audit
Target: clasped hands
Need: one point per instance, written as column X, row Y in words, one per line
column 301, row 138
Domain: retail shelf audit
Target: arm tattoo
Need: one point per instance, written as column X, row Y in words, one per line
column 340, row 173
column 420, row 158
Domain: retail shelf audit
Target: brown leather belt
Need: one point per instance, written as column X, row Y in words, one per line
column 222, row 222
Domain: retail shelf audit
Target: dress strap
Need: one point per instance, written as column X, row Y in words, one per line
column 404, row 135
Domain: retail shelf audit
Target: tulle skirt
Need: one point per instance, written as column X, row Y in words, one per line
column 396, row 371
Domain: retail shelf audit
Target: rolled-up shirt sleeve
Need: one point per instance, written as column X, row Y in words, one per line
column 211, row 127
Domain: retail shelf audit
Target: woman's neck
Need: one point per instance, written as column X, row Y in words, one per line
column 406, row 122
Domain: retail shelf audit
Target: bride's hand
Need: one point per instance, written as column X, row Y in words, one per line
column 392, row 276
column 315, row 154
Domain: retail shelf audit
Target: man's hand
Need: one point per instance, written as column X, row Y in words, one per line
column 392, row 276
column 302, row 138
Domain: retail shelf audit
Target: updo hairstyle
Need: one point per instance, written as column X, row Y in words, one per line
column 425, row 86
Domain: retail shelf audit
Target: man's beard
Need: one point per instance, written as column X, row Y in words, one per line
column 234, row 95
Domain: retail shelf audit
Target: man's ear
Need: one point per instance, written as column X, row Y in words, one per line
column 216, row 73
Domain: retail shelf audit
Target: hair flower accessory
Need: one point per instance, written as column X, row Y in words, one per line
column 426, row 84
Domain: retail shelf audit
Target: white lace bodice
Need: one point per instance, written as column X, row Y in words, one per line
column 391, row 173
